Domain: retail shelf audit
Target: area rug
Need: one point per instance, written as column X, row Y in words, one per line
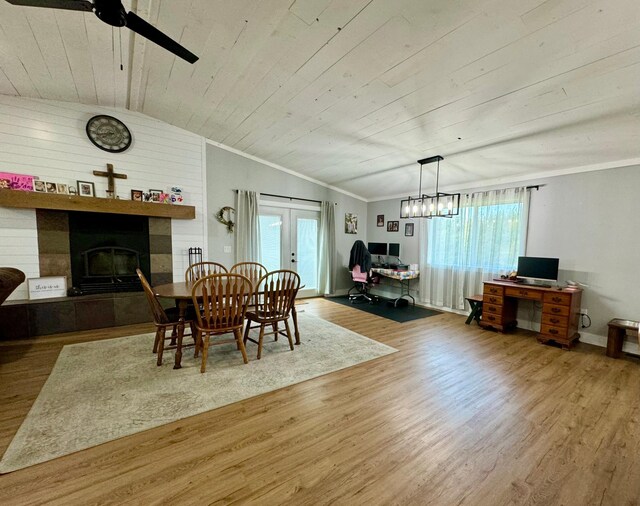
column 104, row 390
column 381, row 308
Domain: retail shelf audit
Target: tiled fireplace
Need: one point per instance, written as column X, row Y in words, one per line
column 22, row 319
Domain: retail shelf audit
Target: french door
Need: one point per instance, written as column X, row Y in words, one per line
column 289, row 240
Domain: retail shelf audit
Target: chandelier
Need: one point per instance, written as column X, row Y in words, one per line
column 438, row 205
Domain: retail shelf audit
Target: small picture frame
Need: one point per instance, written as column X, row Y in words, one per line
column 350, row 223
column 39, row 186
column 380, row 220
column 154, row 195
column 136, row 195
column 86, row 189
column 393, row 226
column 47, row 287
column 51, row 187
column 72, row 190
column 62, row 188
column 408, row 229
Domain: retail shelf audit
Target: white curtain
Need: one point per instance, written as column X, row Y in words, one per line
column 326, row 248
column 457, row 254
column 247, row 227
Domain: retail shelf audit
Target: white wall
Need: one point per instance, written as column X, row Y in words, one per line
column 590, row 222
column 228, row 171
column 48, row 139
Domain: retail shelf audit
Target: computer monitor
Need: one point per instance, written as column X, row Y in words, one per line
column 394, row 249
column 538, row 268
column 377, row 248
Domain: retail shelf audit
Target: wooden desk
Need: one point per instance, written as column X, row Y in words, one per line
column 181, row 293
column 560, row 309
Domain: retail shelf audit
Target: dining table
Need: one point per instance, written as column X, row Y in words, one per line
column 181, row 293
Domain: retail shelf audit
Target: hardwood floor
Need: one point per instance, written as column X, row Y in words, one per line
column 459, row 416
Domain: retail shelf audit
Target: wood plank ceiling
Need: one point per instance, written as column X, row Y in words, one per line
column 353, row 92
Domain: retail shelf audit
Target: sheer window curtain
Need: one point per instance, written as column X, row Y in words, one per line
column 482, row 242
column 247, row 227
column 326, row 248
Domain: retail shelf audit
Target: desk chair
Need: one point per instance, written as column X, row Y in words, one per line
column 362, row 285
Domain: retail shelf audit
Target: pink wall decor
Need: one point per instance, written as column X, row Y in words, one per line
column 19, row 181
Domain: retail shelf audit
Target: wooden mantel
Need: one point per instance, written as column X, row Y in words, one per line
column 35, row 200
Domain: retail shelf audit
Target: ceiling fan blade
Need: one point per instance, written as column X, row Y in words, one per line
column 140, row 26
column 70, row 5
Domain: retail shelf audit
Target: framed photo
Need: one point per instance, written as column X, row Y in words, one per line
column 350, row 223
column 40, row 186
column 393, row 226
column 380, row 220
column 72, row 190
column 86, row 189
column 5, row 183
column 408, row 229
column 62, row 188
column 154, row 195
column 136, row 195
column 51, row 187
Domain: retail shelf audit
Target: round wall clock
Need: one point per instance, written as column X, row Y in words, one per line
column 108, row 133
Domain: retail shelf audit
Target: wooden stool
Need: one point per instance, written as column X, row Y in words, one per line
column 475, row 301
column 617, row 331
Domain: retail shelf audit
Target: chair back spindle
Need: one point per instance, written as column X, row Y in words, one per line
column 224, row 298
column 201, row 269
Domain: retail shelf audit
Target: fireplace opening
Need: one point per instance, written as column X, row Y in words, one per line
column 105, row 251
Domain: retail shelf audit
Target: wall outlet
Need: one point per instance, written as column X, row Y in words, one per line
column 584, row 311
column 227, row 249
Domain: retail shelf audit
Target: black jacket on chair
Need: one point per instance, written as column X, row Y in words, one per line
column 360, row 256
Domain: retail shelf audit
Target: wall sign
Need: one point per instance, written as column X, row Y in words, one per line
column 47, row 287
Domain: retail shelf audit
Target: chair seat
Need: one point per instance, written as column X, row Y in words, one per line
column 266, row 316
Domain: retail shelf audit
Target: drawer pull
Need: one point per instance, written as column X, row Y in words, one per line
column 524, row 292
column 554, row 320
column 555, row 310
column 553, row 331
column 493, row 300
column 493, row 290
column 491, row 318
column 556, row 299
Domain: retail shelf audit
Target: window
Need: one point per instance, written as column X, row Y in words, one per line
column 486, row 237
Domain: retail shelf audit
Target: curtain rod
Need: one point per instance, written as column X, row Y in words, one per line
column 290, row 198
column 528, row 188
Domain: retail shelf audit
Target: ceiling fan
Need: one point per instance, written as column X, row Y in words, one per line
column 112, row 12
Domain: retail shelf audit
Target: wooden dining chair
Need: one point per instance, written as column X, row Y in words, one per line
column 202, row 269
column 278, row 290
column 253, row 271
column 165, row 318
column 225, row 298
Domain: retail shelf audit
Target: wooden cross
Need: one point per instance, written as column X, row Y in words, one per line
column 111, row 176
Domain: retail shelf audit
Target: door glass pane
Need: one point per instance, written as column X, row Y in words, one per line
column 270, row 241
column 307, row 252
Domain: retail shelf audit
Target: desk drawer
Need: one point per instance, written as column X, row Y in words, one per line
column 555, row 320
column 551, row 331
column 563, row 299
column 491, row 308
column 492, row 299
column 523, row 293
column 555, row 310
column 492, row 318
column 494, row 289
